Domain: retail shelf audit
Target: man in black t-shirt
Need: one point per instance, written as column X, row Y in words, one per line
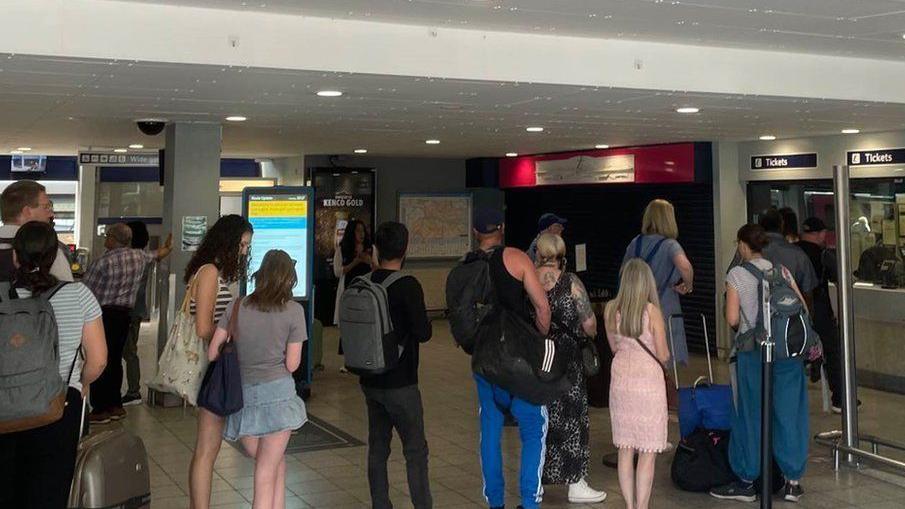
column 393, row 398
column 813, row 243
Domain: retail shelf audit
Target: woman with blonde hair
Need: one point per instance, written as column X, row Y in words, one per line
column 568, row 431
column 672, row 271
column 269, row 332
column 636, row 333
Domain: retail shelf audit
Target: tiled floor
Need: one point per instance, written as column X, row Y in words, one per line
column 337, row 478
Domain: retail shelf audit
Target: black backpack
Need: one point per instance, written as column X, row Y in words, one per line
column 469, row 297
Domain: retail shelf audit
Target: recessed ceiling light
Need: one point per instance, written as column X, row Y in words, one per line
column 432, row 142
column 687, row 109
column 511, row 154
column 851, row 131
column 137, row 146
column 535, row 129
column 15, row 152
column 236, row 118
column 767, row 137
column 329, row 93
column 601, row 146
column 120, row 150
column 903, row 36
column 361, row 151
column 24, row 149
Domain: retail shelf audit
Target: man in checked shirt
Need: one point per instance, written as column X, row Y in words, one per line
column 114, row 278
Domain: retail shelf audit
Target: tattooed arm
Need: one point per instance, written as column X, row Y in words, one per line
column 583, row 305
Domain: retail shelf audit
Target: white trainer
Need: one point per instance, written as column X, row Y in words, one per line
column 581, row 493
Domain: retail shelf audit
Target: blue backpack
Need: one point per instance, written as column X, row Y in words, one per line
column 790, row 324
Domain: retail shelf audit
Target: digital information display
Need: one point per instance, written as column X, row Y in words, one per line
column 281, row 221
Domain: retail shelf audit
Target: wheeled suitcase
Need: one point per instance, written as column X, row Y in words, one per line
column 111, row 471
column 704, row 404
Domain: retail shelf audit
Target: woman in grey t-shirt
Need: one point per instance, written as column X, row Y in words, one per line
column 269, row 332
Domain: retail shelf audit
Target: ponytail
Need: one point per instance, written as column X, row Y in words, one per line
column 36, row 248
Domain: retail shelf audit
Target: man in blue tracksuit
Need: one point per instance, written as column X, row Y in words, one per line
column 514, row 278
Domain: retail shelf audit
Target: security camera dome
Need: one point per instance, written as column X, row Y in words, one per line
column 151, row 126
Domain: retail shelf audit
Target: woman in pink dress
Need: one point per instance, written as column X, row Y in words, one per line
column 637, row 390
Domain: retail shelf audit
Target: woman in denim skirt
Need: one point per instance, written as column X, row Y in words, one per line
column 270, row 330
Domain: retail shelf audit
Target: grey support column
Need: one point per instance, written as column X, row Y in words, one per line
column 191, row 188
column 85, row 202
column 730, row 212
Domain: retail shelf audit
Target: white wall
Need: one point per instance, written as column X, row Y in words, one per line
column 289, row 171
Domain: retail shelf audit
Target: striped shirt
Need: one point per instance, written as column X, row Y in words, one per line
column 116, row 276
column 224, row 297
column 73, row 306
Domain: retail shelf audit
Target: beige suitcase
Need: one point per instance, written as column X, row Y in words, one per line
column 111, row 472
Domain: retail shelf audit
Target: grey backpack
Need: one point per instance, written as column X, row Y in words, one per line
column 790, row 324
column 370, row 344
column 32, row 393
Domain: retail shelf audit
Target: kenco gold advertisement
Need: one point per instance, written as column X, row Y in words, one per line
column 340, row 196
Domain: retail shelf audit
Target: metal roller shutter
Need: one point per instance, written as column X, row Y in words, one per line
column 607, row 218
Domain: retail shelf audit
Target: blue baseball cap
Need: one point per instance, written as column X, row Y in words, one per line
column 549, row 219
column 487, row 220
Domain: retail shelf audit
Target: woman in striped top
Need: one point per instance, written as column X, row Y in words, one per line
column 221, row 259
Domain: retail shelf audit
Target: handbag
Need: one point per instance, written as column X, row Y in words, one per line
column 672, row 392
column 590, row 359
column 221, row 389
column 183, row 361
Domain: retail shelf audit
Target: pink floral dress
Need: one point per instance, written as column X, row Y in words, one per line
column 637, row 393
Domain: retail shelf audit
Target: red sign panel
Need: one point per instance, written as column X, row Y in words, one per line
column 654, row 164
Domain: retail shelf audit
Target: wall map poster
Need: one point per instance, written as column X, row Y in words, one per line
column 439, row 224
column 340, row 196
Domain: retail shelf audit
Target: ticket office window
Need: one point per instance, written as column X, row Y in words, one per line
column 877, row 216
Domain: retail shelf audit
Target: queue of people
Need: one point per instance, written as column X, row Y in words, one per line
column 98, row 325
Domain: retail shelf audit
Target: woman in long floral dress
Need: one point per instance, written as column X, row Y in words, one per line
column 568, row 433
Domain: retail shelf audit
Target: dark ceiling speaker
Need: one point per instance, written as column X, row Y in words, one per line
column 151, row 126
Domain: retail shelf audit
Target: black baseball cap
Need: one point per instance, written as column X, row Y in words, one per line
column 487, row 220
column 813, row 225
column 549, row 219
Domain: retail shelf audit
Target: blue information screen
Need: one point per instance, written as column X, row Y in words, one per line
column 281, row 221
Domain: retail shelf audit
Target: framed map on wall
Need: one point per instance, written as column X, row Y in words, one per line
column 439, row 224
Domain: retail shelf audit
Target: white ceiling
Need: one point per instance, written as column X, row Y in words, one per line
column 57, row 105
column 863, row 28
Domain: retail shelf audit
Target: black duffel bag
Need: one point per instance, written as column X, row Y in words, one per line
column 701, row 462
column 512, row 354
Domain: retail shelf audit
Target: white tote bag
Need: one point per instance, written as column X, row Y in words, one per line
column 184, row 359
